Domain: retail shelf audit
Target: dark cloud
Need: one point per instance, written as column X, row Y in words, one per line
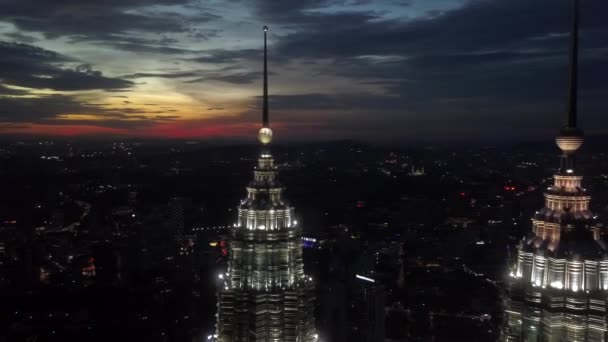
column 286, row 11
column 20, row 37
column 341, row 102
column 48, row 110
column 238, row 77
column 32, row 67
column 460, row 49
column 476, row 62
column 119, row 24
column 4, row 91
column 228, row 75
column 134, row 43
column 36, row 109
column 184, row 74
column 498, row 60
column 167, row 117
column 228, row 56
column 478, row 25
column 90, row 18
column 381, row 117
column 29, row 54
column 508, row 53
column 203, row 34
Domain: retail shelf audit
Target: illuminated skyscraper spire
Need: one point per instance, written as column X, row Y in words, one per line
column 573, row 87
column 265, row 296
column 570, row 137
column 265, row 134
column 559, row 283
column 265, row 118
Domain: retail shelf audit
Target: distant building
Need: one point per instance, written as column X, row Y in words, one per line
column 132, row 199
column 264, row 294
column 373, row 302
column 559, row 284
column 176, row 219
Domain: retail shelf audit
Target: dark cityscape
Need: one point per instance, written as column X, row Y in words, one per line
column 127, row 217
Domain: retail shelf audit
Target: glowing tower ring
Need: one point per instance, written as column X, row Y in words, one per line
column 265, row 135
column 569, row 144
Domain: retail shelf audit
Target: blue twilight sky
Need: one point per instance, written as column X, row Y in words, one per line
column 398, row 70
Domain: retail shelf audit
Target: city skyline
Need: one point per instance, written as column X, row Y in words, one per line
column 378, row 71
column 396, row 192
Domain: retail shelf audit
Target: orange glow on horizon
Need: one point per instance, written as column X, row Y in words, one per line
column 199, row 129
column 173, row 130
column 61, row 130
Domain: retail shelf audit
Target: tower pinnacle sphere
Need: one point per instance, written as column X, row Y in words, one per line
column 265, row 135
column 569, row 140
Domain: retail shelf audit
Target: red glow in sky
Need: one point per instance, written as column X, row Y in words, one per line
column 175, row 130
column 200, row 129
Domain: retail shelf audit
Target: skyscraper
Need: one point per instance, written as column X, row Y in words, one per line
column 265, row 295
column 559, row 283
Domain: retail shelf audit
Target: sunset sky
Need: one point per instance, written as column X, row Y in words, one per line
column 402, row 70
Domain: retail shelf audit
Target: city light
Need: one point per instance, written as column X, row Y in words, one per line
column 365, row 278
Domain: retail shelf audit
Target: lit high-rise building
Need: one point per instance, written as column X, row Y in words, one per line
column 558, row 287
column 264, row 294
